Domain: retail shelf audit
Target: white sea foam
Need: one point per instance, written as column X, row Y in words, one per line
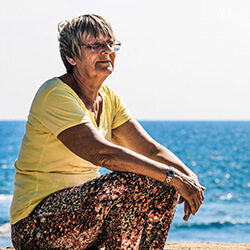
column 5, row 228
column 211, row 224
column 5, row 235
column 5, row 197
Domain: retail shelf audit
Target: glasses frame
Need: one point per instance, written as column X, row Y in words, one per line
column 103, row 45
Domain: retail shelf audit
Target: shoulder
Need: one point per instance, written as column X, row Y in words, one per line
column 107, row 90
column 51, row 85
column 53, row 93
column 54, row 88
column 109, row 93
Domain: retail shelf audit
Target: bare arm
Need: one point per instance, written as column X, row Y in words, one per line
column 131, row 135
column 86, row 142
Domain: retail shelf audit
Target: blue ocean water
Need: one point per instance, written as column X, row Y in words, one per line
column 218, row 152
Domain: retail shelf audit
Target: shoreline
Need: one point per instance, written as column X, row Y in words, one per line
column 196, row 246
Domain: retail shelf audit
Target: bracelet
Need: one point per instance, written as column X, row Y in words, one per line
column 170, row 174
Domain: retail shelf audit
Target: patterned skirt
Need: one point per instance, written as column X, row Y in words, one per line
column 118, row 210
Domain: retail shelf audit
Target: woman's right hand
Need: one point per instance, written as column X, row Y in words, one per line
column 187, row 209
column 190, row 189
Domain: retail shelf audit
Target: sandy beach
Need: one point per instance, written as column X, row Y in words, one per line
column 197, row 246
column 205, row 245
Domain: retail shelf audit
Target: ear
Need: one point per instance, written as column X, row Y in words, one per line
column 71, row 61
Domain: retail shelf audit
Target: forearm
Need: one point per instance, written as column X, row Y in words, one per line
column 84, row 141
column 122, row 159
column 131, row 135
column 117, row 158
column 165, row 156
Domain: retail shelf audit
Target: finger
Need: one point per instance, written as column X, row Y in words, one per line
column 203, row 188
column 187, row 211
column 203, row 196
column 186, row 208
column 198, row 202
column 181, row 200
column 200, row 198
column 192, row 206
column 186, row 217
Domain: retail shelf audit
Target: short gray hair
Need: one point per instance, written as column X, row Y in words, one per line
column 71, row 32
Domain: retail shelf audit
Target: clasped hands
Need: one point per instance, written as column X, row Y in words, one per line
column 191, row 193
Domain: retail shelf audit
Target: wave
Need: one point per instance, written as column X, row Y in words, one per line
column 5, row 228
column 5, row 200
column 5, row 197
column 217, row 224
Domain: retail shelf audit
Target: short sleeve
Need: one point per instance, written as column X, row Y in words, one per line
column 62, row 110
column 121, row 114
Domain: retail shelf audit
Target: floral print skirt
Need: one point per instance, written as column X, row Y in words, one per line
column 118, row 210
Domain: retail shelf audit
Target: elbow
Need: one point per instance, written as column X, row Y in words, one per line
column 108, row 161
column 154, row 151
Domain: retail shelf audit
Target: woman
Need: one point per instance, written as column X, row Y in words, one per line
column 77, row 123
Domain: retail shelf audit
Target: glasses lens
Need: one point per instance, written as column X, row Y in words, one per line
column 96, row 47
column 103, row 46
column 117, row 46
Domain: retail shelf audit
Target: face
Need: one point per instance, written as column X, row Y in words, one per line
column 94, row 64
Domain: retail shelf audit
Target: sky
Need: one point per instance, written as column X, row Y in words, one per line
column 180, row 59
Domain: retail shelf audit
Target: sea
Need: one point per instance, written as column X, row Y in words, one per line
column 217, row 151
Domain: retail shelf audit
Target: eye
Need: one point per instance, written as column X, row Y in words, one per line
column 96, row 45
column 111, row 43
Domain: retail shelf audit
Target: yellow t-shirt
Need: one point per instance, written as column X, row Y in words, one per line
column 44, row 164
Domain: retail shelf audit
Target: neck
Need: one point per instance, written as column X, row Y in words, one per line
column 87, row 90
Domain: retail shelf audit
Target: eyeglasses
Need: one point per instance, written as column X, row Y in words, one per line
column 114, row 46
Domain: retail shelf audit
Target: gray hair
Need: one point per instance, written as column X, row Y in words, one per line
column 71, row 32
